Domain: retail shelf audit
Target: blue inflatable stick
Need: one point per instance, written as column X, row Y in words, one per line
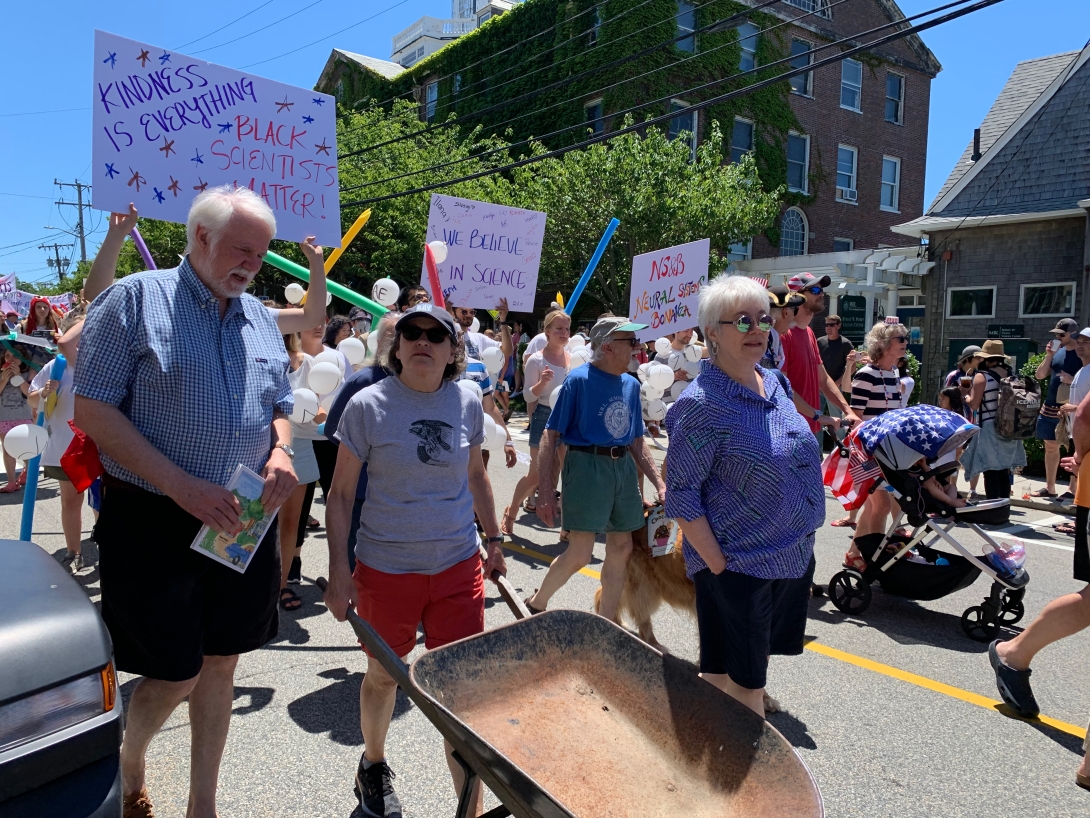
column 587, row 273
column 30, row 493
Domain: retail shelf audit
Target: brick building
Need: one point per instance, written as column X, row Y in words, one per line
column 1010, row 229
column 849, row 140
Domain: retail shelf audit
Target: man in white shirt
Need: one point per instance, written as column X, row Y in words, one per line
column 478, row 342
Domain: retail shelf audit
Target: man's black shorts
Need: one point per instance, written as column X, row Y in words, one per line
column 168, row 606
column 1082, row 553
column 743, row 619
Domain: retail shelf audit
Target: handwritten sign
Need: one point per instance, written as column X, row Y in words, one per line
column 168, row 126
column 666, row 288
column 493, row 252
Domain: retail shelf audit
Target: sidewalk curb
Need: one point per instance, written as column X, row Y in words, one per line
column 1055, row 508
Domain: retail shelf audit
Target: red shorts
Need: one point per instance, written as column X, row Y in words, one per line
column 450, row 604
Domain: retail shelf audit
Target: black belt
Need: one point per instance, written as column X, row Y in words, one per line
column 615, row 452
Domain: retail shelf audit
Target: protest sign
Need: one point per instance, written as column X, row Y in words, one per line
column 666, row 288
column 167, row 126
column 493, row 252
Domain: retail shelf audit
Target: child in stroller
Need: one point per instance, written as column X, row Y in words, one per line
column 914, row 452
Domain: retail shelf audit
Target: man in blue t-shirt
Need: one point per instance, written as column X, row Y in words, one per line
column 1060, row 365
column 597, row 415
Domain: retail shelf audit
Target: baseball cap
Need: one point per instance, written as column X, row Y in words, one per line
column 805, row 280
column 605, row 327
column 781, row 296
column 968, row 352
column 438, row 314
column 1085, row 333
column 1066, row 325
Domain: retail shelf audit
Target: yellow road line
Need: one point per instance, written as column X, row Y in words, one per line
column 937, row 687
column 545, row 558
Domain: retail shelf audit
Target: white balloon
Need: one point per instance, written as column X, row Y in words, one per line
column 328, row 299
column 675, row 362
column 677, row 389
column 650, row 392
column 496, row 442
column 661, row 376
column 576, row 342
column 489, row 429
column 550, row 398
column 692, row 353
column 324, row 378
column 306, row 406
column 475, row 326
column 472, row 387
column 327, row 400
column 642, row 371
column 294, row 293
column 662, row 346
column 372, row 341
column 385, row 292
column 579, row 357
column 692, row 368
column 492, row 358
column 438, row 251
column 330, row 356
column 656, row 410
column 26, row 441
column 353, row 349
column 17, row 380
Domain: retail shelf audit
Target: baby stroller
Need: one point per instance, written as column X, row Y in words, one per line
column 889, row 449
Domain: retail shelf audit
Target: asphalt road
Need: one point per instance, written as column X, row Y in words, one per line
column 893, row 711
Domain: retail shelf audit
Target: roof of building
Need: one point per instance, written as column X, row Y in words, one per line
column 384, row 68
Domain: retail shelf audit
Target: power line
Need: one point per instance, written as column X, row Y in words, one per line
column 953, row 15
column 221, row 28
column 38, row 113
column 25, row 196
column 330, row 36
column 258, row 31
column 710, row 28
column 21, row 243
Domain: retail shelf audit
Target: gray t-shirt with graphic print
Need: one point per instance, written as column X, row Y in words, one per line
column 418, row 515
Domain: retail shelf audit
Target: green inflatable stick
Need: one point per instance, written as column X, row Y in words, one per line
column 291, row 268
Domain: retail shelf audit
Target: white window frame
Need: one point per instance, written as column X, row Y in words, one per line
column 854, row 174
column 1022, row 299
column 805, row 166
column 819, row 7
column 431, row 100
column 682, row 105
column 805, row 231
column 900, row 103
column 950, row 299
column 858, row 88
column 896, row 186
column 849, row 241
column 808, row 92
column 748, row 251
column 752, row 136
column 598, row 124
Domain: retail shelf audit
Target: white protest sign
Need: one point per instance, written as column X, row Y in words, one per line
column 666, row 288
column 493, row 252
column 168, row 126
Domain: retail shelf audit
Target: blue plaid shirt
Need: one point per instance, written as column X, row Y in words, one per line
column 202, row 390
column 751, row 466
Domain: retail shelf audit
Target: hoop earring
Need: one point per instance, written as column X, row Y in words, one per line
column 714, row 347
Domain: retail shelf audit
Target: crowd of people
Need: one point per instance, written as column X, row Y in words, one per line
column 179, row 376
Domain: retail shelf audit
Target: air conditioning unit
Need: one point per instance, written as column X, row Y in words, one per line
column 847, row 194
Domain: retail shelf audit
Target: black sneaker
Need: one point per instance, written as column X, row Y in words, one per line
column 375, row 789
column 295, row 572
column 1013, row 685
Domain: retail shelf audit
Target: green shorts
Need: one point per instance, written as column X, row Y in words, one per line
column 601, row 494
column 56, row 473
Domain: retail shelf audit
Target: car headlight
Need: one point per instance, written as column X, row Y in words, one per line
column 58, row 707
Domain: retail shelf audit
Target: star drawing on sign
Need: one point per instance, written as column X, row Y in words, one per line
column 323, row 148
column 158, row 194
column 307, row 119
column 112, row 59
column 164, row 58
column 144, row 57
column 284, row 106
column 168, row 147
column 136, row 179
column 203, row 184
column 318, row 101
column 110, row 170
column 198, row 158
column 173, row 186
column 225, row 127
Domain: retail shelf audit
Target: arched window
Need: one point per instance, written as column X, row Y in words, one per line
column 793, row 233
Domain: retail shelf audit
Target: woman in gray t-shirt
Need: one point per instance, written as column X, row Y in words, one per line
column 417, row 559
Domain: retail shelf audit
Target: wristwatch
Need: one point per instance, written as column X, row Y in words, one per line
column 817, row 415
column 287, row 449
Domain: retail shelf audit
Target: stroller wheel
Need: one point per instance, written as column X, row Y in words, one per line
column 978, row 625
column 850, row 592
column 1012, row 614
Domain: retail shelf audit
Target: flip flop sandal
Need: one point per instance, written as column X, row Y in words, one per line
column 1082, row 780
column 1038, row 494
column 529, row 507
column 1065, row 528
column 9, row 488
column 856, row 563
column 312, row 523
column 22, row 479
column 509, row 530
column 289, row 600
column 843, row 522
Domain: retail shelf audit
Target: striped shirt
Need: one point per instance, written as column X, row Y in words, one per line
column 875, row 391
column 990, row 404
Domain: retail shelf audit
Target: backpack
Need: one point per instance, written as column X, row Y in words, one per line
column 1018, row 406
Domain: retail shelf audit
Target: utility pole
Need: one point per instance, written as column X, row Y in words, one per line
column 79, row 205
column 61, row 264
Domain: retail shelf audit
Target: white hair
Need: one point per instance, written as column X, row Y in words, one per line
column 213, row 208
column 727, row 295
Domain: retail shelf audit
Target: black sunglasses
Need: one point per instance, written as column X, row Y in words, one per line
column 746, row 322
column 630, row 341
column 436, row 335
column 900, row 338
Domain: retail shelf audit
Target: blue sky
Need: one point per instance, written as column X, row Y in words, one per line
column 48, row 68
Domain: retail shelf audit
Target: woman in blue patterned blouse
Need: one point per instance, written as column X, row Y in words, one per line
column 743, row 478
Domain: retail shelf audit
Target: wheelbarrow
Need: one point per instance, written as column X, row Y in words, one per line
column 567, row 715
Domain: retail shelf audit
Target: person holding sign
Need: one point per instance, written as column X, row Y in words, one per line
column 597, row 414
column 181, row 378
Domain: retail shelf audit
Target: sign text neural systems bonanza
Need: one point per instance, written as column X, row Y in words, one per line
column 168, row 126
column 666, row 288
